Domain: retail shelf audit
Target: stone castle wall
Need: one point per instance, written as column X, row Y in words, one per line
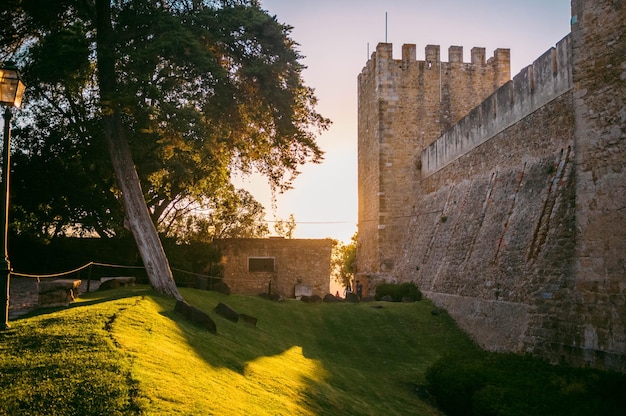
column 535, row 86
column 404, row 105
column 599, row 72
column 515, row 221
column 492, row 238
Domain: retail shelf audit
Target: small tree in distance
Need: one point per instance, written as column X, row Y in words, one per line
column 343, row 261
column 285, row 228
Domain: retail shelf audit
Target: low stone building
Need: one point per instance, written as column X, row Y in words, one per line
column 289, row 267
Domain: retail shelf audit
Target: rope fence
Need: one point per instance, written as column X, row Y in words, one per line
column 193, row 282
column 89, row 266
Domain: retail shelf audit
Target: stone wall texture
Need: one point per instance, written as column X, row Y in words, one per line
column 511, row 214
column 404, row 106
column 296, row 261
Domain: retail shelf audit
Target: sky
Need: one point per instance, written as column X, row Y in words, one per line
column 337, row 37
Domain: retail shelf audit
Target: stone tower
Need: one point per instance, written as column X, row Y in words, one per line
column 511, row 215
column 404, row 105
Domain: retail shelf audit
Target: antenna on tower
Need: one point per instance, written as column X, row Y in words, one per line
column 385, row 27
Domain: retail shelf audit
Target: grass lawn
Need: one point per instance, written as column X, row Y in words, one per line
column 127, row 352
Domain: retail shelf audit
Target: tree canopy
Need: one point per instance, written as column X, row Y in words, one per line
column 180, row 94
column 205, row 89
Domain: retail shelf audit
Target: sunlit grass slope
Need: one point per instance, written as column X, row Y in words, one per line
column 127, row 351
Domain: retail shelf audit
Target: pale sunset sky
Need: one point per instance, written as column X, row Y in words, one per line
column 335, row 36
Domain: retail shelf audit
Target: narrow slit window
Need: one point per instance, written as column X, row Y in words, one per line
column 261, row 264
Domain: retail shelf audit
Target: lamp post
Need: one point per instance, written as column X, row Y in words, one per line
column 11, row 90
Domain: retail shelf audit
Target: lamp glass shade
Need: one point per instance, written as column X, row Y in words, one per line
column 11, row 86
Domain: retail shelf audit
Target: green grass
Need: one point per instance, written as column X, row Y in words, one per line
column 128, row 352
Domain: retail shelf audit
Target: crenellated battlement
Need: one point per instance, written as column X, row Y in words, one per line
column 384, row 51
column 536, row 85
column 449, row 89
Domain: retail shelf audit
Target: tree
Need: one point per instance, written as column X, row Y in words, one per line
column 234, row 215
column 60, row 186
column 343, row 261
column 195, row 90
column 285, row 228
column 137, row 215
column 59, row 180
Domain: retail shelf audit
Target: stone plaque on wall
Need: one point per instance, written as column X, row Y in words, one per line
column 303, row 290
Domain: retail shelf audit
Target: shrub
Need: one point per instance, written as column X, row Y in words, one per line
column 485, row 384
column 398, row 291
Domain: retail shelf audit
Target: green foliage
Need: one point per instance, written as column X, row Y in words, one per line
column 59, row 185
column 489, row 384
column 229, row 214
column 343, row 261
column 197, row 257
column 34, row 256
column 398, row 291
column 29, row 255
column 285, row 228
column 206, row 89
column 69, row 46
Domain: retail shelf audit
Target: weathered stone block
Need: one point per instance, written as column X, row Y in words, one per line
column 287, row 264
column 352, row 298
column 222, row 288
column 311, row 299
column 248, row 319
column 303, row 290
column 330, row 298
column 195, row 316
column 60, row 292
column 227, row 312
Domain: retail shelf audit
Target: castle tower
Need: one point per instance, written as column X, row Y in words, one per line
column 599, row 75
column 404, row 105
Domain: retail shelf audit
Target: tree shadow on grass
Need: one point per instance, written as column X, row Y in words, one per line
column 341, row 354
column 316, row 358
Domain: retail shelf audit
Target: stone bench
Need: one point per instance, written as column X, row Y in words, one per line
column 60, row 292
column 115, row 282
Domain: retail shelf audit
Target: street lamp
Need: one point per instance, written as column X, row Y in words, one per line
column 11, row 90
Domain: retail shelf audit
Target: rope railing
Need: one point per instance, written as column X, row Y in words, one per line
column 76, row 270
column 194, row 274
column 94, row 263
column 40, row 276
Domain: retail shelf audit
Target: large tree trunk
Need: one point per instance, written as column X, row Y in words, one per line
column 136, row 211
